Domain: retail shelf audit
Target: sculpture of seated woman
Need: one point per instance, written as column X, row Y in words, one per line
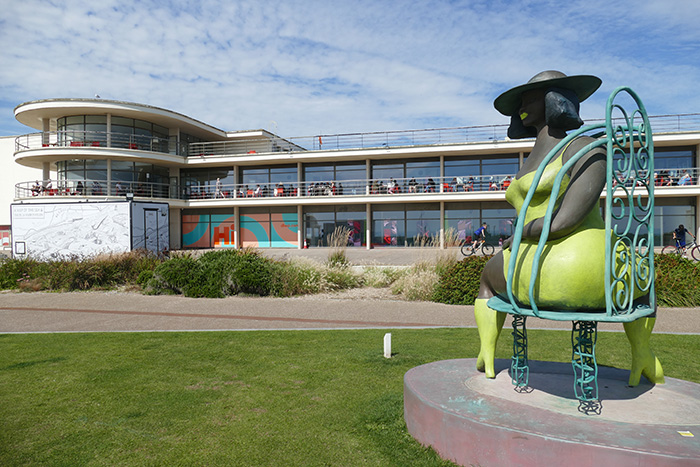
column 572, row 265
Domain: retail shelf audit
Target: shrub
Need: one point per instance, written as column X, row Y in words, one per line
column 15, row 271
column 417, row 283
column 459, row 284
column 174, row 275
column 380, row 277
column 338, row 241
column 215, row 274
column 677, row 281
column 304, row 276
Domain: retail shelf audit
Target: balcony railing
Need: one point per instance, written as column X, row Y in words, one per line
column 94, row 188
column 98, row 139
column 404, row 138
column 308, row 189
column 686, row 123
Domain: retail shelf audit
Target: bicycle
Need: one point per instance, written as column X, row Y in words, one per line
column 691, row 248
column 468, row 249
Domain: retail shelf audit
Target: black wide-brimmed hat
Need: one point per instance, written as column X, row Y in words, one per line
column 509, row 102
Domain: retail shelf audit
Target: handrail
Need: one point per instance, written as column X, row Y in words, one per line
column 332, row 142
column 76, row 140
column 359, row 187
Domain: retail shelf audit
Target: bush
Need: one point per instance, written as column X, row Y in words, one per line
column 417, row 283
column 215, row 274
column 677, row 281
column 380, row 277
column 75, row 273
column 459, row 284
column 304, row 276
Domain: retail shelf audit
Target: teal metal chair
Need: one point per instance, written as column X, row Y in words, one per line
column 629, row 248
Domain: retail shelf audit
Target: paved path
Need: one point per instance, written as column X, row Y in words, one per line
column 122, row 311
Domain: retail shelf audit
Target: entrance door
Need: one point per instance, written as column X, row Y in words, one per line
column 150, row 222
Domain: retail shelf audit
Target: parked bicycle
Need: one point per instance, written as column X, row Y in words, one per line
column 469, row 249
column 691, row 250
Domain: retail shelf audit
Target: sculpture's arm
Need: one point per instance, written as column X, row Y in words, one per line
column 582, row 194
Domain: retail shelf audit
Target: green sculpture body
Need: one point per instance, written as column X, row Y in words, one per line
column 571, row 265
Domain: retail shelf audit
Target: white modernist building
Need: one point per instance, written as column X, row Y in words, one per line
column 231, row 189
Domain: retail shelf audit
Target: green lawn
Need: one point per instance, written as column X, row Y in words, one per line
column 242, row 398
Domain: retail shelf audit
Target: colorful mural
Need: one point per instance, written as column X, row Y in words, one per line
column 276, row 230
column 195, row 231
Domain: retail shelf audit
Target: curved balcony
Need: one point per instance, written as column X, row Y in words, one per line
column 98, row 139
column 485, row 185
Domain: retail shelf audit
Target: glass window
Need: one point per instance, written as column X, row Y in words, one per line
column 462, row 219
column 386, row 171
column 423, row 169
column 321, row 221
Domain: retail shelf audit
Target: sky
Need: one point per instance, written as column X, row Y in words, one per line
column 307, row 67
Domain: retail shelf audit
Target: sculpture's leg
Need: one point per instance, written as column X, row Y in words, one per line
column 489, row 323
column 584, row 335
column 519, row 366
column 644, row 362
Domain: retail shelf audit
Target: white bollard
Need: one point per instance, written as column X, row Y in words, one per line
column 387, row 345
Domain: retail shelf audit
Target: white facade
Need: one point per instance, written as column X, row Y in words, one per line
column 254, row 188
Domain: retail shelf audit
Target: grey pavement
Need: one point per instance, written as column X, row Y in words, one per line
column 355, row 309
column 130, row 311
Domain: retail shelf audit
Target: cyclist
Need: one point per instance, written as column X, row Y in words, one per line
column 679, row 236
column 480, row 235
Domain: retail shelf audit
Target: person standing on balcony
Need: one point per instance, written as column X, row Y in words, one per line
column 219, row 189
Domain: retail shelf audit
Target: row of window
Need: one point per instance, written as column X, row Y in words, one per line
column 420, row 169
column 391, row 225
column 122, row 171
column 123, row 132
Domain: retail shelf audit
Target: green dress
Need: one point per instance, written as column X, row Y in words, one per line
column 572, row 268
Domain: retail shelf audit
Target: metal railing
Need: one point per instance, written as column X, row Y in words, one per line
column 348, row 188
column 349, row 141
column 403, row 138
column 98, row 139
column 92, row 188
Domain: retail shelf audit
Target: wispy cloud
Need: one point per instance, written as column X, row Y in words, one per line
column 331, row 67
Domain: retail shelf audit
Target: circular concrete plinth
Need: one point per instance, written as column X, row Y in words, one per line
column 472, row 420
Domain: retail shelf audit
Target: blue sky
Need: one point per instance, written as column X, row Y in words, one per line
column 320, row 67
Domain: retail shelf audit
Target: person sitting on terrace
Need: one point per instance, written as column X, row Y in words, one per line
column 685, row 179
column 430, row 186
column 36, row 188
column 453, row 184
column 470, row 184
column 79, row 188
column 412, row 186
column 392, row 186
column 505, row 183
column 258, row 191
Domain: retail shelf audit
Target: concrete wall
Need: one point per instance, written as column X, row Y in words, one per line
column 10, row 174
